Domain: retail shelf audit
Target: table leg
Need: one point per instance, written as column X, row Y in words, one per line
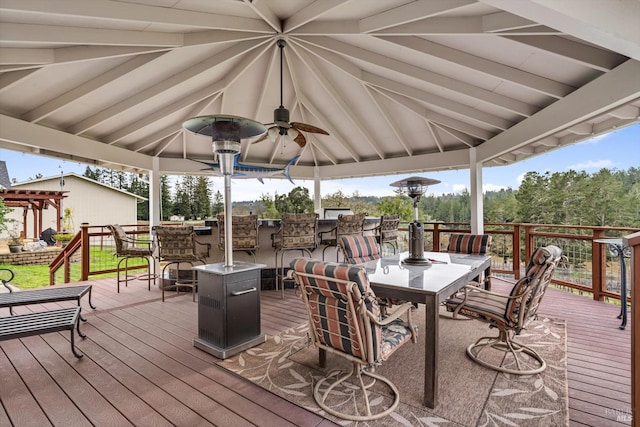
column 431, row 353
column 487, row 278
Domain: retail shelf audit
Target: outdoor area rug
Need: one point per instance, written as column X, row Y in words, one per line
column 469, row 394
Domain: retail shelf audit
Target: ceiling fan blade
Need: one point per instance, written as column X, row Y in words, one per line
column 308, row 128
column 262, row 138
column 300, row 140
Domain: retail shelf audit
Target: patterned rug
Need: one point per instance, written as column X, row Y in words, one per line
column 469, row 394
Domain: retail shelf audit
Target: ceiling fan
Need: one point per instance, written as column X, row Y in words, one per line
column 281, row 125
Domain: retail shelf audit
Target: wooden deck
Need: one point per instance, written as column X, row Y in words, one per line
column 140, row 367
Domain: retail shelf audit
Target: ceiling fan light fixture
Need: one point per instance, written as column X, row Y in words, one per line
column 292, row 133
column 273, row 133
column 281, row 116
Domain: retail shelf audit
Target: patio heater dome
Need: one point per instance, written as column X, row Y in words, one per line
column 415, row 187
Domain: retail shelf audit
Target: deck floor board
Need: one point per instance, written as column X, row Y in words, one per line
column 141, row 368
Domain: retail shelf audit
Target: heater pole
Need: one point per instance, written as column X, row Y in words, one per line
column 228, row 232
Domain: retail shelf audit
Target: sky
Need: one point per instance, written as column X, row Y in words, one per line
column 616, row 150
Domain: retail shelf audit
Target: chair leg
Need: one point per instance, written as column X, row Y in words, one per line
column 504, row 343
column 357, row 388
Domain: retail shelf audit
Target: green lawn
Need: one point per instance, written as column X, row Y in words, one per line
column 37, row 276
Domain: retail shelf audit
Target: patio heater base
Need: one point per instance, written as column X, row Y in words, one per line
column 228, row 308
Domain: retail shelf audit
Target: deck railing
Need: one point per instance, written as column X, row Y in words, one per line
column 91, row 253
column 591, row 269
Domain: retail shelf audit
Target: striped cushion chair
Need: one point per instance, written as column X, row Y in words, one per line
column 473, row 244
column 359, row 249
column 344, row 319
column 510, row 314
column 477, row 244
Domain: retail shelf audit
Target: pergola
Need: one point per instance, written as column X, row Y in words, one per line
column 34, row 201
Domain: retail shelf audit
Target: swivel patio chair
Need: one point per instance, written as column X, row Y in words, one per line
column 472, row 244
column 346, row 225
column 297, row 232
column 387, row 231
column 345, row 320
column 510, row 314
column 129, row 247
column 245, row 234
column 176, row 246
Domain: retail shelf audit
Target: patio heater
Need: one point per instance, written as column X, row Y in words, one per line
column 228, row 293
column 415, row 187
column 226, row 133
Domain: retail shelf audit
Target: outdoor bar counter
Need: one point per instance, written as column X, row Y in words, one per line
column 266, row 227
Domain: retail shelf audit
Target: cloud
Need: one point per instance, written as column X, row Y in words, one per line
column 592, row 164
column 520, row 178
column 493, row 187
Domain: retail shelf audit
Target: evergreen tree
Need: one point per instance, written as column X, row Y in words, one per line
column 218, row 204
column 182, row 201
column 165, row 198
column 201, row 198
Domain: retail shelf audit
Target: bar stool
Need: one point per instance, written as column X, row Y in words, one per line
column 297, row 232
column 178, row 245
column 128, row 247
column 347, row 224
column 387, row 231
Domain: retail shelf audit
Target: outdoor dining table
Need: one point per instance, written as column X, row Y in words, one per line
column 430, row 285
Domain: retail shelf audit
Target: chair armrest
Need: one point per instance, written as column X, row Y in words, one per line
column 135, row 241
column 333, row 230
column 398, row 311
column 198, row 242
column 484, row 291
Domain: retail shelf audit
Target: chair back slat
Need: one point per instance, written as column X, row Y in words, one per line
column 120, row 237
column 176, row 243
column 245, row 232
column 350, row 224
column 297, row 231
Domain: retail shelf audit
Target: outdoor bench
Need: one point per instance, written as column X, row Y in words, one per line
column 41, row 296
column 25, row 325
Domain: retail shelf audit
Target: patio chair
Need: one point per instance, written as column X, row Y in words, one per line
column 510, row 314
column 359, row 249
column 128, row 247
column 346, row 225
column 387, row 231
column 176, row 246
column 245, row 233
column 472, row 244
column 345, row 320
column 297, row 232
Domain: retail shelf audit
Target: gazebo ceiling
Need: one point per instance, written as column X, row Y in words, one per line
column 401, row 86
